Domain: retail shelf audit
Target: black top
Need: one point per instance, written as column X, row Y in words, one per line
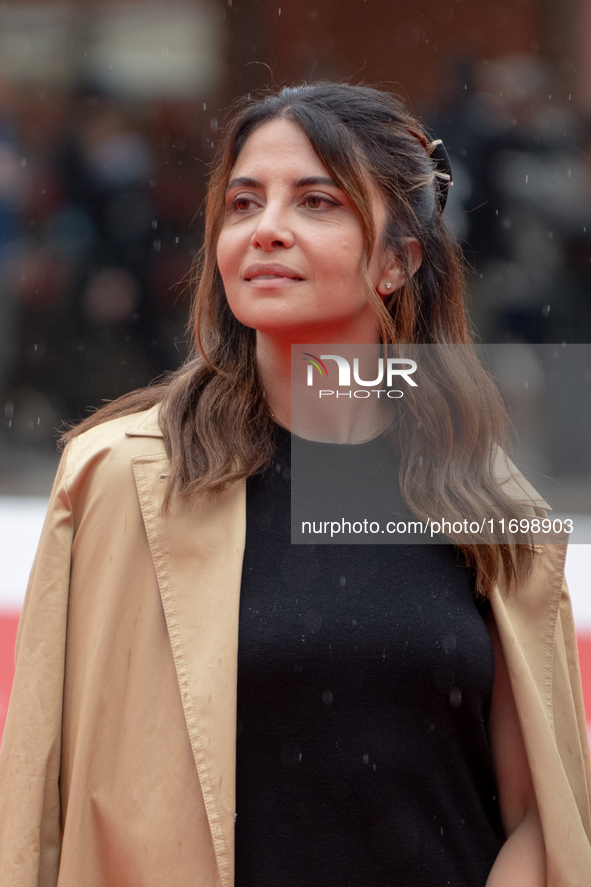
column 365, row 675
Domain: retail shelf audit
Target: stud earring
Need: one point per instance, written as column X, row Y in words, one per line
column 388, row 286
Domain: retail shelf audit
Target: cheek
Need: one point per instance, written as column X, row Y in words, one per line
column 225, row 253
column 343, row 262
column 231, row 246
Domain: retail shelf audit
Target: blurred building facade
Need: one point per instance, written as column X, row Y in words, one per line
column 109, row 117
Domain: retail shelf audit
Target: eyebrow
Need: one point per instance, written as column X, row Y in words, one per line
column 306, row 182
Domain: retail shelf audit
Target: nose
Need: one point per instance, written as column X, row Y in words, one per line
column 273, row 230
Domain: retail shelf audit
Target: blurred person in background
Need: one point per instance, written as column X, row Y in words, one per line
column 185, row 676
column 523, row 206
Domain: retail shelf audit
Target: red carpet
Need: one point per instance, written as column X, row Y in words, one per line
column 584, row 640
column 8, row 626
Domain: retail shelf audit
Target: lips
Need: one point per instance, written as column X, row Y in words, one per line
column 271, row 271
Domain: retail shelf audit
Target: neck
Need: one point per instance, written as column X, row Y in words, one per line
column 330, row 419
column 274, row 364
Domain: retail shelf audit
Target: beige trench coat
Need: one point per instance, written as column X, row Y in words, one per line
column 118, row 759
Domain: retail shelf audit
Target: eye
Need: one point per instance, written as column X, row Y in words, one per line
column 241, row 204
column 318, row 201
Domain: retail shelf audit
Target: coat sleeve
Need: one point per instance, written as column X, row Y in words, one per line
column 30, row 753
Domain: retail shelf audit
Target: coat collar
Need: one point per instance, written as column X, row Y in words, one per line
column 197, row 548
column 514, row 483
column 145, row 424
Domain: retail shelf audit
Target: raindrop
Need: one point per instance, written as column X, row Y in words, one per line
column 279, row 11
column 9, row 409
column 327, row 697
column 365, row 759
column 546, row 310
column 526, row 179
column 455, row 697
column 157, row 246
column 205, row 103
column 342, row 581
column 154, row 224
column 214, row 124
column 448, row 642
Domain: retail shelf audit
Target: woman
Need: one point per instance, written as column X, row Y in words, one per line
column 406, row 715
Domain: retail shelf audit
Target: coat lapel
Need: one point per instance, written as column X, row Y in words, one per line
column 197, row 550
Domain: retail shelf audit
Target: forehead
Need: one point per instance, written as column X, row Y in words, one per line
column 278, row 145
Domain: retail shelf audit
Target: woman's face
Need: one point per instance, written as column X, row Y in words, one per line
column 291, row 244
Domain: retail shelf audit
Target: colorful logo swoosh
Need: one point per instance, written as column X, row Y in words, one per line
column 315, row 361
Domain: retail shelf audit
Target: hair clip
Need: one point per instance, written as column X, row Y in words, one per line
column 443, row 172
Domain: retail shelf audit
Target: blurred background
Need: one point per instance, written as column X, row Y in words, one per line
column 109, row 118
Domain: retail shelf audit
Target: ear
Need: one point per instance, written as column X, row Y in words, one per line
column 393, row 275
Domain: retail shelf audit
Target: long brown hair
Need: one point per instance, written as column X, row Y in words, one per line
column 214, row 416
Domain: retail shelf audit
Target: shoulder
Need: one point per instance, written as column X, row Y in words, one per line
column 103, row 456
column 514, row 484
column 135, row 433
